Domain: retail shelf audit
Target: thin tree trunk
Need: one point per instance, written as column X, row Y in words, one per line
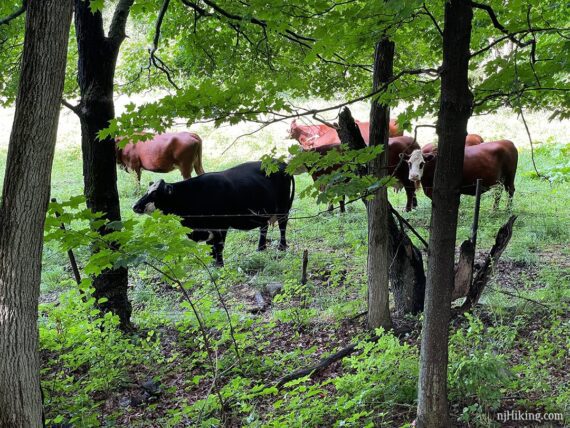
column 96, row 70
column 24, row 202
column 455, row 110
column 378, row 237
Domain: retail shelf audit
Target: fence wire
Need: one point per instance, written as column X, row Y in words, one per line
column 331, row 238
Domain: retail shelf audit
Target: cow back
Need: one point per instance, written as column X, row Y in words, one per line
column 243, row 197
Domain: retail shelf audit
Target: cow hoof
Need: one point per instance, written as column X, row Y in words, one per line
column 282, row 247
column 262, row 248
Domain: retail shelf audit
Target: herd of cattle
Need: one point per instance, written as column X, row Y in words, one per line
column 245, row 198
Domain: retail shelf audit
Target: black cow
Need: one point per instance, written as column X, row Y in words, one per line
column 242, row 197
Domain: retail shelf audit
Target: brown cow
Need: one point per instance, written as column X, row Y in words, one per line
column 396, row 146
column 494, row 162
column 470, row 140
column 163, row 153
column 310, row 136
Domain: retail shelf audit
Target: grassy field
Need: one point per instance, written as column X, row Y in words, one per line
column 510, row 355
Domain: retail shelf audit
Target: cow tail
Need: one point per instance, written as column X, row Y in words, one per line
column 292, row 191
column 198, row 161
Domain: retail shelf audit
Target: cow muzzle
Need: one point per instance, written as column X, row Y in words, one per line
column 147, row 208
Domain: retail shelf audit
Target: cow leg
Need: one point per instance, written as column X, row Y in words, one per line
column 510, row 188
column 282, row 229
column 342, row 205
column 138, row 173
column 330, row 208
column 186, row 171
column 497, row 197
column 411, row 201
column 217, row 242
column 262, row 238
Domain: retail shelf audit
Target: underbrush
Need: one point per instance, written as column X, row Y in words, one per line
column 85, row 357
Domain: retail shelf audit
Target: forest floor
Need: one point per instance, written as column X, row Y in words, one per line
column 509, row 354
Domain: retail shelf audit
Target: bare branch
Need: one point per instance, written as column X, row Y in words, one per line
column 498, row 25
column 14, row 15
column 428, row 13
column 153, row 58
column 199, row 10
column 523, row 33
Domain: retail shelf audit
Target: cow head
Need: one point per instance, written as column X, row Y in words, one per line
column 154, row 198
column 416, row 163
column 294, row 131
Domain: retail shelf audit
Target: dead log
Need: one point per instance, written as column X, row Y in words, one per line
column 348, row 131
column 407, row 276
column 483, row 275
column 464, row 270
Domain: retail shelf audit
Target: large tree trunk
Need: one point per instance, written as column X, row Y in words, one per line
column 455, row 110
column 96, row 70
column 378, row 238
column 24, row 202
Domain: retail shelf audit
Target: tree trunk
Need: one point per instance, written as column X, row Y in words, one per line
column 455, row 110
column 378, row 238
column 96, row 70
column 24, row 202
column 407, row 276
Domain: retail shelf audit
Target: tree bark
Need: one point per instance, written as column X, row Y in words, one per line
column 378, row 237
column 96, row 70
column 455, row 109
column 24, row 202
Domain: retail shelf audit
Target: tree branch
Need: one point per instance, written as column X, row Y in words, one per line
column 199, row 10
column 153, row 59
column 20, row 11
column 498, row 25
column 119, row 21
column 74, row 109
column 312, row 112
column 428, row 13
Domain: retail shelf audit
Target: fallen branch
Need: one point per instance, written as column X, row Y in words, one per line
column 518, row 296
column 331, row 359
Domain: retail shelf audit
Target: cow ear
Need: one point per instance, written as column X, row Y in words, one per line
column 429, row 157
column 404, row 156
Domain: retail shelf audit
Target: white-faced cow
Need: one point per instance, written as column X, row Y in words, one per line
column 243, row 197
column 494, row 162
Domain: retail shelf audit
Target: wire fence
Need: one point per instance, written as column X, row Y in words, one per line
column 333, row 238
